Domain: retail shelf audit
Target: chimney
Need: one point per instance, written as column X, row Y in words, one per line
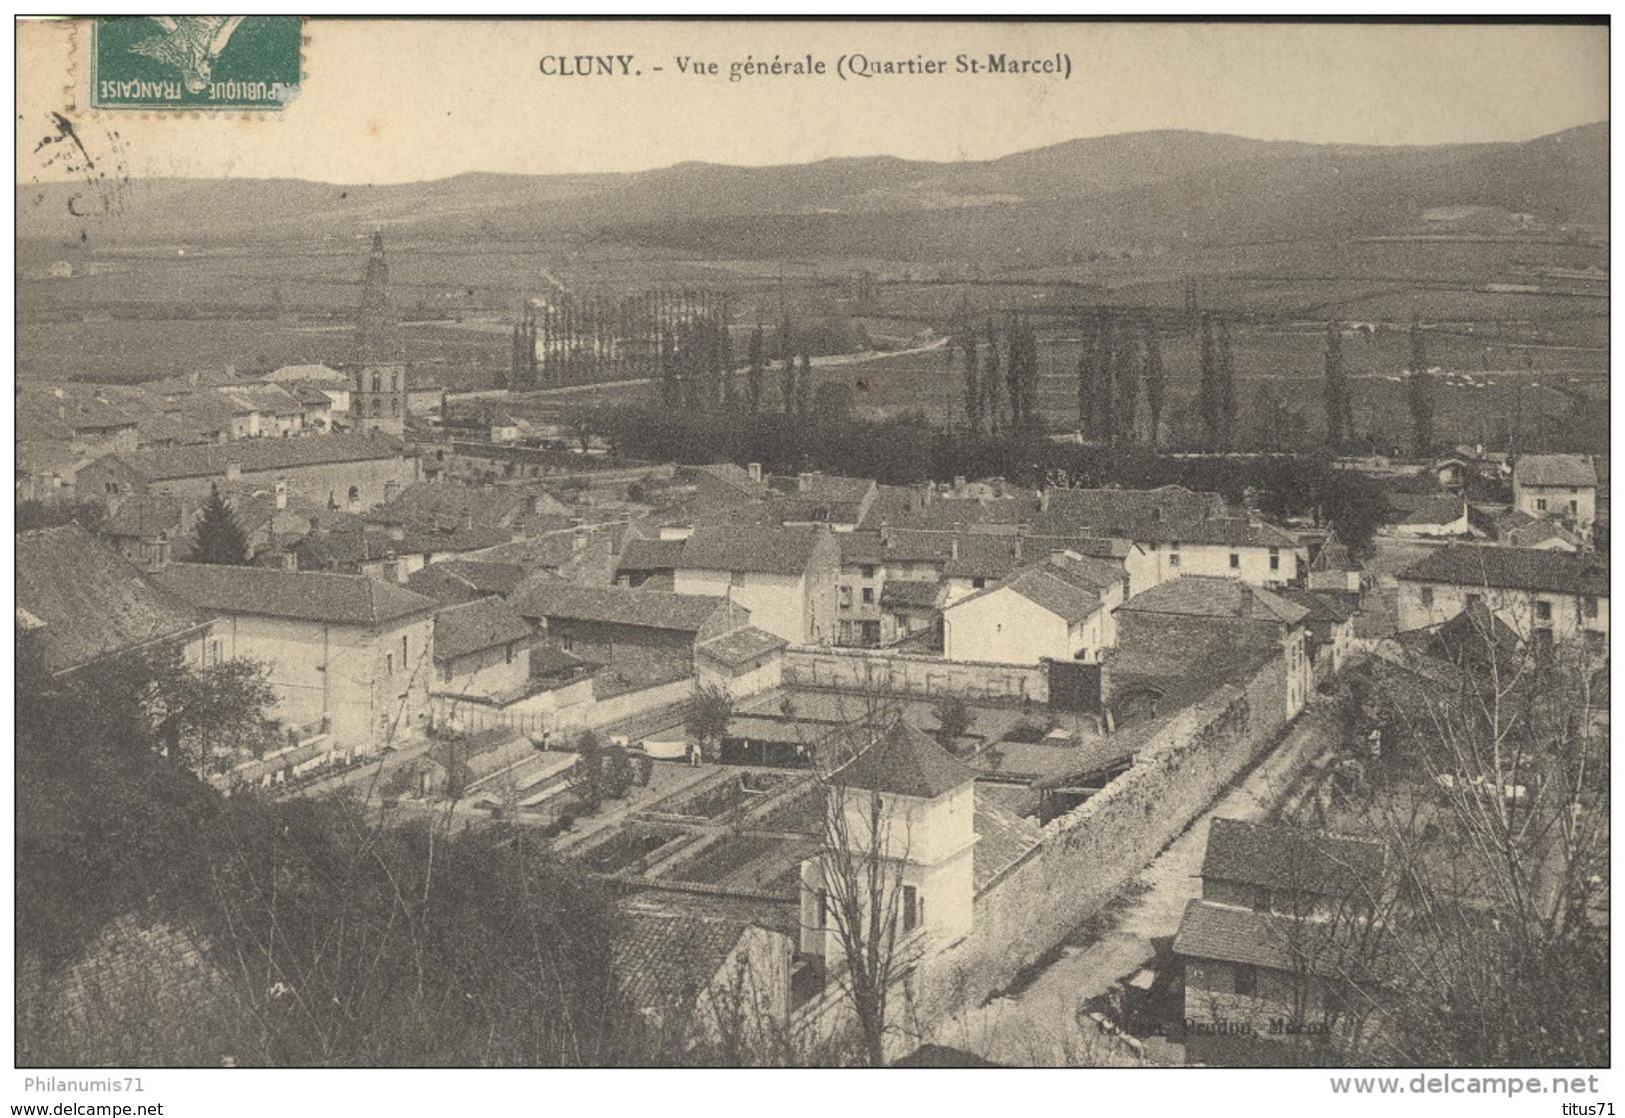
column 803, row 481
column 1246, row 607
column 1254, row 518
column 755, row 470
column 282, row 493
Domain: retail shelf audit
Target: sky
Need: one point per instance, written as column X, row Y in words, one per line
column 386, row 101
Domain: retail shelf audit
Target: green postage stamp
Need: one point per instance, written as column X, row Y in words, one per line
column 192, row 63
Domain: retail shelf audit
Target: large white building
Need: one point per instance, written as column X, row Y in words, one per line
column 349, row 651
column 1543, row 596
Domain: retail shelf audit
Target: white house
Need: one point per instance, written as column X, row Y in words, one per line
column 1058, row 608
column 1431, row 515
column 1557, row 487
column 1543, row 596
column 785, row 577
column 347, row 650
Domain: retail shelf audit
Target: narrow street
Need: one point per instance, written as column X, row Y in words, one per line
column 1036, row 1026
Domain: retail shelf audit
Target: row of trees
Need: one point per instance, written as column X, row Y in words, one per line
column 577, row 339
column 1000, row 364
column 1121, row 357
column 909, row 451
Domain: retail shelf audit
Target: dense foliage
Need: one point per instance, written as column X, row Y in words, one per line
column 907, row 451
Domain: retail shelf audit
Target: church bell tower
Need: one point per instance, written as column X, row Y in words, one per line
column 378, row 402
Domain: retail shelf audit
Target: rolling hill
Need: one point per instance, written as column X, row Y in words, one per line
column 1142, row 188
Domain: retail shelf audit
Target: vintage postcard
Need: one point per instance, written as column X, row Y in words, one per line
column 811, row 544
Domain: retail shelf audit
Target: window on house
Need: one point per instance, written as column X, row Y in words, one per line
column 737, row 578
column 1246, row 979
column 568, row 641
column 1474, row 601
column 377, row 406
column 1591, row 607
column 820, row 907
column 911, row 908
column 1574, row 508
column 389, row 663
column 445, row 673
column 395, row 405
column 508, row 653
column 868, row 595
column 394, row 382
column 1543, row 611
column 355, row 494
column 1275, row 559
column 846, row 597
column 1427, row 597
column 1540, row 504
column 1173, row 558
column 868, row 570
column 1235, row 561
column 377, row 382
column 405, row 657
column 978, row 583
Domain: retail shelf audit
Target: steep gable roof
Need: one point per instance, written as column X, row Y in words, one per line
column 1513, row 568
column 297, row 595
column 90, row 601
column 904, row 762
column 475, row 626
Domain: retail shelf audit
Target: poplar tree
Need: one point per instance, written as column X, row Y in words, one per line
column 1155, row 386
column 1420, row 393
column 754, row 378
column 1210, row 404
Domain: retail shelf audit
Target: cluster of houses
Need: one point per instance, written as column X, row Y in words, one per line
column 395, row 609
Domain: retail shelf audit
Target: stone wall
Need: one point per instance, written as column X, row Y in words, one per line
column 878, row 670
column 1090, row 853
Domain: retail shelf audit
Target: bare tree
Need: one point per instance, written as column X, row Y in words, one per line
column 1492, row 797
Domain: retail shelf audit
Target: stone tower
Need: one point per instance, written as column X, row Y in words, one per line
column 379, row 400
column 912, row 804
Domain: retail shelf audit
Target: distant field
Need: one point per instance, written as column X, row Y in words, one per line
column 1293, row 365
column 156, row 310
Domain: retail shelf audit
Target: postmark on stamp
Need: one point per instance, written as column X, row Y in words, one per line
column 192, row 63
